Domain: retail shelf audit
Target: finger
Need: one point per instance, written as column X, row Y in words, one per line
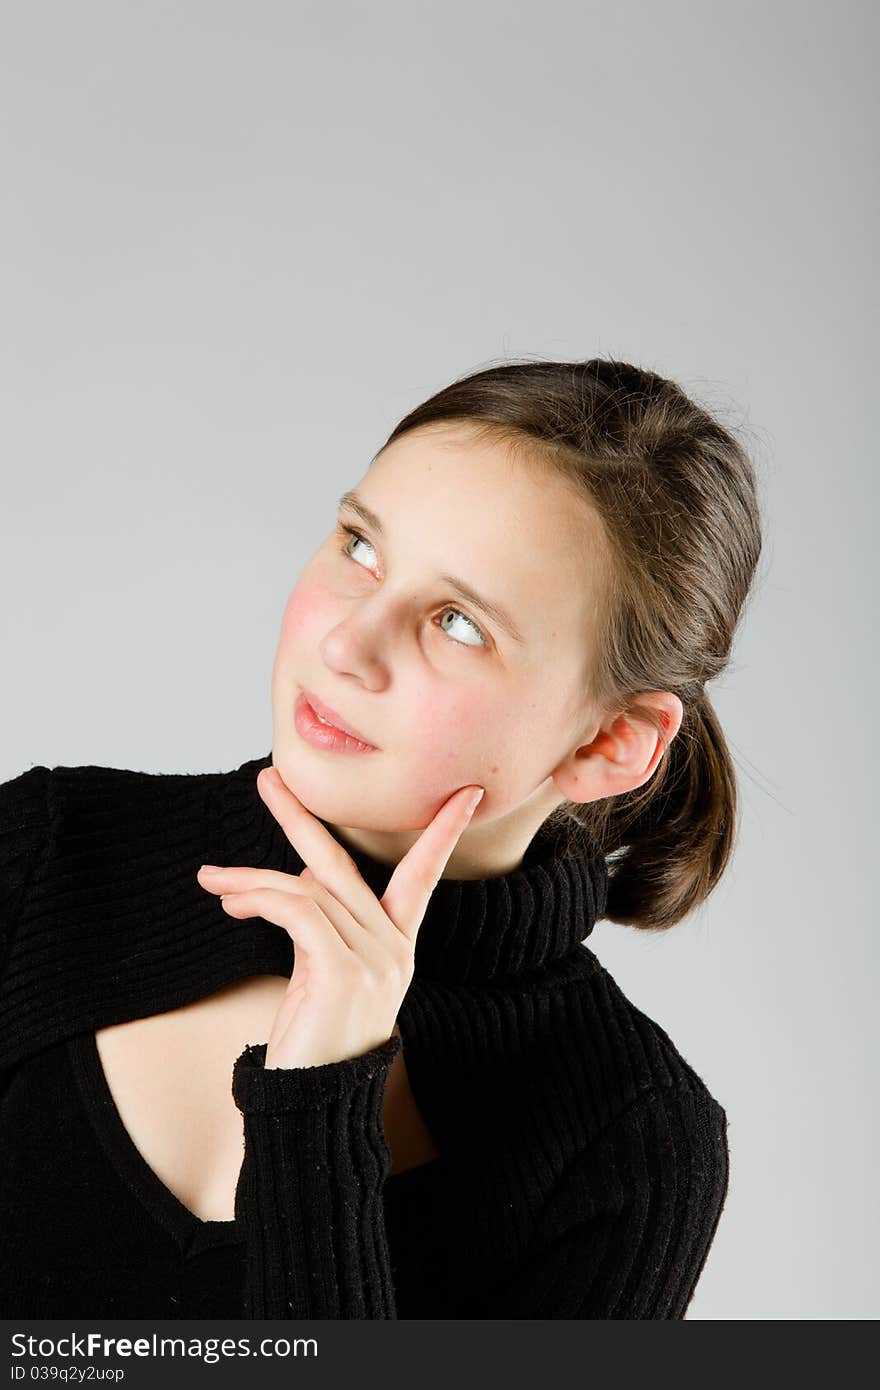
column 236, row 879
column 298, row 915
column 321, row 852
column 373, row 945
column 289, row 910
column 416, row 876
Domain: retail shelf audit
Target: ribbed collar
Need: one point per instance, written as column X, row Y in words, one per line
column 473, row 929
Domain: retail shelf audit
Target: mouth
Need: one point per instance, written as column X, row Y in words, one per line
column 333, row 720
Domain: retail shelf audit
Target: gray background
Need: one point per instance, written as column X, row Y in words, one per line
column 240, row 241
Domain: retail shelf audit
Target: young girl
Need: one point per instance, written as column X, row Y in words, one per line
column 368, row 1068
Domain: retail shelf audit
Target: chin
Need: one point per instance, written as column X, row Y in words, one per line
column 363, row 811
column 311, row 787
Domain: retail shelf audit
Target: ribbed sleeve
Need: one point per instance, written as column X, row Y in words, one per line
column 24, row 824
column 309, row 1194
column 626, row 1231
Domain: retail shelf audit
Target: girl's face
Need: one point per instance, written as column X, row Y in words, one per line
column 449, row 692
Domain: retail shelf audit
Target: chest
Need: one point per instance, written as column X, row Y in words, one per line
column 170, row 1077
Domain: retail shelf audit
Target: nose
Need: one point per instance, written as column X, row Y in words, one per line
column 354, row 648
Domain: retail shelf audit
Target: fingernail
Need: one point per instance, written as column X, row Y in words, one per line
column 475, row 801
column 211, row 869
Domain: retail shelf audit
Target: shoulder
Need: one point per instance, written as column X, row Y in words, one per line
column 625, row 1058
column 25, row 819
column 649, row 1122
column 68, row 825
column 100, row 887
column 96, row 802
column 120, row 832
column 24, row 804
column 90, row 787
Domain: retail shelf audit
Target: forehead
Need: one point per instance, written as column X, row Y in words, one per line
column 443, row 466
column 508, row 524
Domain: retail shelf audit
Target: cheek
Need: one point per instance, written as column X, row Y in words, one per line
column 459, row 738
column 498, row 736
column 306, row 611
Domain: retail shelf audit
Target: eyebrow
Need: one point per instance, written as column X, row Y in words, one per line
column 352, row 501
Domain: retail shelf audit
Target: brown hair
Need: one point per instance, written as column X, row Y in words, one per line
column 675, row 494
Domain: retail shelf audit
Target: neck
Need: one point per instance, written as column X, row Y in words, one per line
column 474, row 929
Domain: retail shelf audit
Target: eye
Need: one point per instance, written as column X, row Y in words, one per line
column 457, row 613
column 351, row 535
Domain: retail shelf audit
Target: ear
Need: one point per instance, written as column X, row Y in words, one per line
column 622, row 755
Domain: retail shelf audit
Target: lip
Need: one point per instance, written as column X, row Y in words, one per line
column 328, row 713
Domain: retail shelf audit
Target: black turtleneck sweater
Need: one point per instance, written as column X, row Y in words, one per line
column 583, row 1164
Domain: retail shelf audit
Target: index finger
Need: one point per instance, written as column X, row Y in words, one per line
column 320, row 851
column 409, row 890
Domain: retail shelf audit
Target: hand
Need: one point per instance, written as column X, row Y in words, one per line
column 354, row 956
